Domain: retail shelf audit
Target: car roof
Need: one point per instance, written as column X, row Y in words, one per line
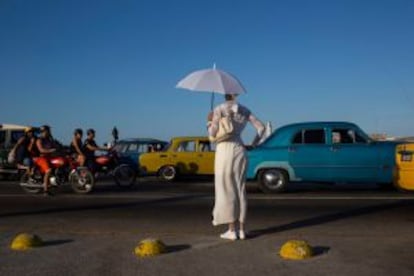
column 141, row 140
column 11, row 126
column 283, row 134
column 321, row 124
column 190, row 138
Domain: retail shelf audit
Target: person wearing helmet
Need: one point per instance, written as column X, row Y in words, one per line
column 46, row 146
column 89, row 148
column 76, row 147
column 22, row 151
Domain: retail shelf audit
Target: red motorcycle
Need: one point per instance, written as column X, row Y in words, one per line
column 111, row 165
column 64, row 170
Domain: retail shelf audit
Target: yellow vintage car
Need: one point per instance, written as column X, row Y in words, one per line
column 183, row 156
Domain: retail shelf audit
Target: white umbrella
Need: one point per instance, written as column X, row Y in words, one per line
column 212, row 80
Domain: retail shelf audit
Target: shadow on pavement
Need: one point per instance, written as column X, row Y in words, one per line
column 101, row 206
column 177, row 248
column 154, row 184
column 55, row 242
column 320, row 250
column 330, row 218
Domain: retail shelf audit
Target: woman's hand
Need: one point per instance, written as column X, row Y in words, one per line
column 210, row 116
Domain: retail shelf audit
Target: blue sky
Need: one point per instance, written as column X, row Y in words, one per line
column 84, row 63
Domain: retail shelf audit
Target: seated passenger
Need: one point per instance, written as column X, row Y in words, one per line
column 23, row 149
column 46, row 146
column 76, row 147
column 336, row 138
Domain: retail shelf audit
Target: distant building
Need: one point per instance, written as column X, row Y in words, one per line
column 385, row 137
column 379, row 136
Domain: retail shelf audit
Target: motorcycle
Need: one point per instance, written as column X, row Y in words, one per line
column 64, row 170
column 111, row 165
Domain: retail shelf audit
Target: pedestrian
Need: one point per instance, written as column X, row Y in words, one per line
column 230, row 165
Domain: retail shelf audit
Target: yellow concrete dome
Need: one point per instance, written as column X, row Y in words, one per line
column 25, row 241
column 150, row 247
column 296, row 250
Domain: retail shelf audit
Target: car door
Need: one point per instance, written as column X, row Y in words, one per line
column 132, row 152
column 205, row 157
column 184, row 157
column 309, row 155
column 354, row 158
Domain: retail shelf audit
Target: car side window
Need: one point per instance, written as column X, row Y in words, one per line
column 133, row 147
column 309, row 136
column 205, row 146
column 119, row 147
column 314, row 136
column 360, row 139
column 346, row 136
column 298, row 138
column 187, row 146
column 155, row 147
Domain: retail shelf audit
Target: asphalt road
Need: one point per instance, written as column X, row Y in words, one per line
column 359, row 230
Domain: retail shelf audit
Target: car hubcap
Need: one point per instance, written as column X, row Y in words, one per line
column 169, row 173
column 273, row 179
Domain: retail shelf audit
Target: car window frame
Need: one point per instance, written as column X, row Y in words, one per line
column 356, row 132
column 303, row 131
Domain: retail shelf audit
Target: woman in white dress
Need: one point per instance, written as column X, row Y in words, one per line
column 230, row 167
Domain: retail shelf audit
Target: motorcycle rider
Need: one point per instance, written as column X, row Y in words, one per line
column 76, row 147
column 46, row 146
column 89, row 148
column 24, row 148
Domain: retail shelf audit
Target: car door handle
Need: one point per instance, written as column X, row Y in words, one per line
column 334, row 148
column 163, row 155
column 291, row 149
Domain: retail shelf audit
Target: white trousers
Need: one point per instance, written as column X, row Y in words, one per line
column 230, row 183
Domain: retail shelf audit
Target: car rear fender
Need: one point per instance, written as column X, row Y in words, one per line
column 277, row 165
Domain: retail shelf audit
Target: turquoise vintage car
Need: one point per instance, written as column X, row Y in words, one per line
column 328, row 152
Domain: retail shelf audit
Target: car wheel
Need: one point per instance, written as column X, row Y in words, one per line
column 168, row 173
column 30, row 185
column 125, row 176
column 82, row 181
column 273, row 180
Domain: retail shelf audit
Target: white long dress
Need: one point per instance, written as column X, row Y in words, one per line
column 230, row 164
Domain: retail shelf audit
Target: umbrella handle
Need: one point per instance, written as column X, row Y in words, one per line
column 212, row 101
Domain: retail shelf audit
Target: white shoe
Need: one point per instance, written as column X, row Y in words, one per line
column 229, row 235
column 242, row 235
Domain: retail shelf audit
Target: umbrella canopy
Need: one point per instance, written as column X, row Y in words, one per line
column 212, row 80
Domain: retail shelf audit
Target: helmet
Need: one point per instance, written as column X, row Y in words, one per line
column 90, row 131
column 78, row 131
